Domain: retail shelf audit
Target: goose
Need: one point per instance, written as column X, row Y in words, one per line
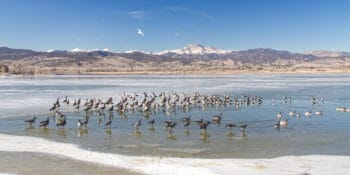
column 292, row 113
column 186, row 119
column 243, row 127
column 108, row 123
column 137, row 124
column 152, row 121
column 170, row 126
column 283, row 122
column 278, row 124
column 279, row 115
column 44, row 123
column 203, row 126
column 82, row 123
column 308, row 113
column 61, row 122
column 30, row 120
column 217, row 118
column 319, row 113
column 340, row 109
column 230, row 126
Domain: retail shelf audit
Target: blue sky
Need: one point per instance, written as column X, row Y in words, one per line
column 294, row 25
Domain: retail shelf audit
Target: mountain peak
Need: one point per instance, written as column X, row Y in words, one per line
column 327, row 53
column 195, row 49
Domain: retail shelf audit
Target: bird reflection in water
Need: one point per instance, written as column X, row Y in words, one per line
column 171, row 135
column 137, row 133
column 205, row 136
column 187, row 132
column 151, row 128
column 230, row 135
column 82, row 132
column 29, row 127
column 62, row 132
column 243, row 135
column 108, row 131
column 45, row 132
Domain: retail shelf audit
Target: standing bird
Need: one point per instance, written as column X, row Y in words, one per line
column 170, row 126
column 243, row 127
column 217, row 118
column 61, row 122
column 108, row 123
column 151, row 122
column 230, row 126
column 292, row 113
column 82, row 123
column 186, row 119
column 320, row 113
column 31, row 120
column 137, row 124
column 278, row 125
column 308, row 113
column 44, row 123
column 279, row 115
column 203, row 126
column 283, row 122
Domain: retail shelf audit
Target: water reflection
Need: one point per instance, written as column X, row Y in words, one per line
column 230, row 135
column 108, row 132
column 171, row 136
column 44, row 131
column 243, row 135
column 82, row 132
column 137, row 133
column 187, row 132
column 205, row 136
column 62, row 132
column 29, row 127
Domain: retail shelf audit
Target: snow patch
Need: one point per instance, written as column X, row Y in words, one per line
column 313, row 164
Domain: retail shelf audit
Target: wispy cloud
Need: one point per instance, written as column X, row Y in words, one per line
column 177, row 34
column 189, row 11
column 137, row 14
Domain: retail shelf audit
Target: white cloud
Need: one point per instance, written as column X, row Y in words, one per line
column 137, row 14
column 189, row 11
column 139, row 31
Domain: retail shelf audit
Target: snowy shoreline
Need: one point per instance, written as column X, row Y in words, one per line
column 311, row 164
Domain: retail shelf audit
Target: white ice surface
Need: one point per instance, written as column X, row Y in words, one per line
column 312, row 164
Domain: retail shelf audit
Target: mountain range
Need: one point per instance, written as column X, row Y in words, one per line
column 192, row 58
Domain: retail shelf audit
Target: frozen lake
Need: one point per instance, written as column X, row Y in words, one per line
column 326, row 134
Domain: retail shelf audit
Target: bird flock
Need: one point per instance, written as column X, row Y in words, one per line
column 147, row 104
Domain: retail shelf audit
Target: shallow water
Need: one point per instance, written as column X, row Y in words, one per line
column 325, row 134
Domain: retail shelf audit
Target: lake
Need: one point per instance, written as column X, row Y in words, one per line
column 327, row 134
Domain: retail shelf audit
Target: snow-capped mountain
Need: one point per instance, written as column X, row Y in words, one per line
column 90, row 50
column 195, row 49
column 326, row 53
